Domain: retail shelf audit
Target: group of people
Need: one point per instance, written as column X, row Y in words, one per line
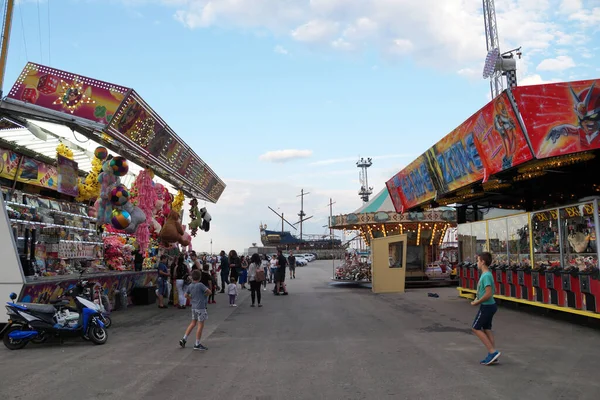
column 196, row 281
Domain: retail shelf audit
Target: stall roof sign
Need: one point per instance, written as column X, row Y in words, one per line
column 123, row 116
column 489, row 142
column 561, row 118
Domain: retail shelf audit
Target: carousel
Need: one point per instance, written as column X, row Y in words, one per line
column 432, row 251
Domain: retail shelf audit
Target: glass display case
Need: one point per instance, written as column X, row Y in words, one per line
column 578, row 229
column 546, row 238
column 479, row 232
column 395, row 254
column 466, row 243
column 498, row 240
column 518, row 240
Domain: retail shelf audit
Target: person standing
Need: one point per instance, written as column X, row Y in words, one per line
column 162, row 281
column 224, row 271
column 280, row 273
column 197, row 293
column 265, row 266
column 232, row 291
column 243, row 272
column 181, row 275
column 482, row 325
column 292, row 265
column 138, row 259
column 253, row 277
column 235, row 265
column 273, row 264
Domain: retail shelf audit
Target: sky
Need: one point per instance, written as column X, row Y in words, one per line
column 278, row 96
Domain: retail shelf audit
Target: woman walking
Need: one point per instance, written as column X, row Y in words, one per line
column 181, row 275
column 265, row 266
column 235, row 265
column 255, row 283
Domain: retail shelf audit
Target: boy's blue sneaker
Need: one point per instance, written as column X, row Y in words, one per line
column 200, row 347
column 182, row 343
column 491, row 358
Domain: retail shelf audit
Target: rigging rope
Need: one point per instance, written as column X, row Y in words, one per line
column 49, row 55
column 23, row 31
column 40, row 31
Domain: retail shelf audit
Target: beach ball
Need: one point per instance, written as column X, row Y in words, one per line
column 119, row 166
column 101, row 152
column 119, row 195
column 120, row 219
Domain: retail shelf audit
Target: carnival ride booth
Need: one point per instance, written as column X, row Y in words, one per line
column 518, row 173
column 431, row 254
column 90, row 176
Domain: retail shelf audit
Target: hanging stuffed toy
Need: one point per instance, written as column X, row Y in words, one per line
column 108, row 180
column 206, row 218
column 137, row 217
column 146, row 197
column 194, row 217
column 172, row 231
column 188, row 238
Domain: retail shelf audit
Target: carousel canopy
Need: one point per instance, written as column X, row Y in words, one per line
column 380, row 210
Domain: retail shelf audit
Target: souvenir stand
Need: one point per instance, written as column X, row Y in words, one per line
column 90, row 175
column 430, row 255
column 519, row 173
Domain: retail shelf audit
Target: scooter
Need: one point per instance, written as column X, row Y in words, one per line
column 30, row 322
column 92, row 291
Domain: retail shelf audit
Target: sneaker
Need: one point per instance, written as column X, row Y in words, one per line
column 234, row 305
column 491, row 358
column 252, row 305
column 260, row 305
column 200, row 347
column 264, row 289
column 182, row 343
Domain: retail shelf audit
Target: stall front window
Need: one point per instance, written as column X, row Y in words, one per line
column 466, row 243
column 479, row 231
column 546, row 241
column 498, row 237
column 396, row 254
column 579, row 237
column 518, row 240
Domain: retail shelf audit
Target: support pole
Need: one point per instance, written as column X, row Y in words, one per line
column 6, row 26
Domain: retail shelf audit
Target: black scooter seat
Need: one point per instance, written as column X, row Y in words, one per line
column 41, row 308
column 59, row 303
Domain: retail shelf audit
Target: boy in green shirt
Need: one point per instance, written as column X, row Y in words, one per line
column 482, row 326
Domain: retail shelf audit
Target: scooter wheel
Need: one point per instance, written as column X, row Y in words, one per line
column 41, row 338
column 98, row 334
column 13, row 344
column 107, row 321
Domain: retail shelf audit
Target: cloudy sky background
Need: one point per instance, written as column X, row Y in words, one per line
column 277, row 95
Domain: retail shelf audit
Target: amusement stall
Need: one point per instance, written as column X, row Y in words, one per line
column 92, row 178
column 432, row 251
column 519, row 173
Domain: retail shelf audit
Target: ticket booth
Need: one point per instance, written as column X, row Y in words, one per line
column 389, row 264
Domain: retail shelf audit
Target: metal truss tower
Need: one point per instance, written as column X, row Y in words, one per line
column 365, row 189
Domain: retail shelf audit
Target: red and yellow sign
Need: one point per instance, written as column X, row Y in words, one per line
column 37, row 173
column 9, row 162
column 490, row 141
column 68, row 93
column 561, row 118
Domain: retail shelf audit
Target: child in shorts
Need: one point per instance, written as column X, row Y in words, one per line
column 197, row 292
column 482, row 326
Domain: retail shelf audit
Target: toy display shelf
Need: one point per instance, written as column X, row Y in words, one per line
column 49, row 225
column 68, row 214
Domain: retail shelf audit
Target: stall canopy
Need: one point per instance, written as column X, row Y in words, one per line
column 57, row 106
column 541, row 132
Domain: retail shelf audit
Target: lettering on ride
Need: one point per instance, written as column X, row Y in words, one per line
column 546, row 216
column 459, row 160
column 575, row 211
column 416, row 183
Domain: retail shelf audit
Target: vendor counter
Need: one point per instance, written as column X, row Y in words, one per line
column 44, row 289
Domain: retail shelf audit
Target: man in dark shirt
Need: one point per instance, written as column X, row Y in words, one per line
column 224, row 271
column 292, row 265
column 280, row 274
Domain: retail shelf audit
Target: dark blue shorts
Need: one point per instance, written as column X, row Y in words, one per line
column 483, row 319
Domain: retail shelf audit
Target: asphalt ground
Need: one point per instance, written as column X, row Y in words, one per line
column 323, row 341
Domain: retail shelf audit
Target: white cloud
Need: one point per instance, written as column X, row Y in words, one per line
column 400, row 47
column 281, row 50
column 315, row 31
column 281, row 156
column 559, row 63
column 534, row 79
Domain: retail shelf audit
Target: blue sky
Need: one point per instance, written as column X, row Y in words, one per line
column 327, row 80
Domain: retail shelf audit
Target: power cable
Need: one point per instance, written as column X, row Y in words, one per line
column 49, row 55
column 23, row 31
column 40, row 31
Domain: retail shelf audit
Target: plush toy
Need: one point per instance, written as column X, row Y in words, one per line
column 137, row 217
column 196, row 220
column 107, row 181
column 206, row 218
column 172, row 231
column 188, row 238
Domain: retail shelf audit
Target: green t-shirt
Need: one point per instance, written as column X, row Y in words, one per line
column 486, row 279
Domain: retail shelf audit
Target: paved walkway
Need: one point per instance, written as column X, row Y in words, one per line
column 320, row 342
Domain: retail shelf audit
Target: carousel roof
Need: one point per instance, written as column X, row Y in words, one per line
column 380, row 202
